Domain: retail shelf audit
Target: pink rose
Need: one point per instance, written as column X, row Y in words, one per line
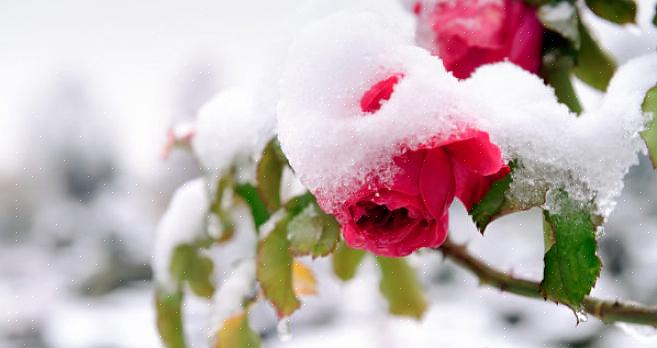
column 470, row 33
column 395, row 220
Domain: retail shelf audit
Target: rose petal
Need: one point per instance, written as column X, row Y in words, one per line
column 437, row 182
column 407, row 178
column 472, row 187
column 380, row 91
column 477, row 154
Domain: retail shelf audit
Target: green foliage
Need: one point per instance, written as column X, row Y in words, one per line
column 236, row 333
column 559, row 59
column 594, row 66
column 401, row 288
column 313, row 232
column 346, row 261
column 227, row 224
column 493, row 204
column 571, row 265
column 617, row 11
column 650, row 134
column 269, row 173
column 295, row 205
column 551, row 16
column 251, row 196
column 274, row 269
column 569, row 48
column 169, row 318
column 496, row 202
column 189, row 265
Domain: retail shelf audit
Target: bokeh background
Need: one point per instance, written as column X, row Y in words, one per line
column 88, row 90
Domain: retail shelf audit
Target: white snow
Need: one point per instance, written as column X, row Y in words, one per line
column 229, row 300
column 229, row 133
column 184, row 222
column 334, row 147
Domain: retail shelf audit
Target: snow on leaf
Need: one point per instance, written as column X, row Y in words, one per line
column 231, row 303
column 497, row 202
column 401, row 288
column 183, row 223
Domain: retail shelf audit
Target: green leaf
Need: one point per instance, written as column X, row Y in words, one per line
column 594, row 66
column 492, row 205
column 571, row 264
column 236, row 333
column 252, row 197
column 313, row 232
column 496, row 202
column 269, row 174
column 561, row 17
column 169, row 318
column 650, row 134
column 187, row 264
column 558, row 63
column 227, row 224
column 654, row 19
column 401, row 288
column 297, row 204
column 617, row 11
column 346, row 261
column 274, row 269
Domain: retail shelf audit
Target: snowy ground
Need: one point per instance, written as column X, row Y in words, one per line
column 88, row 91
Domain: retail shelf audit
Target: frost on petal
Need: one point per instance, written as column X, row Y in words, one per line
column 183, row 223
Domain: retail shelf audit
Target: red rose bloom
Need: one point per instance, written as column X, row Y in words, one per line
column 470, row 33
column 395, row 220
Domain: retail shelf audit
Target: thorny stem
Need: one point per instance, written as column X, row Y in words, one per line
column 607, row 311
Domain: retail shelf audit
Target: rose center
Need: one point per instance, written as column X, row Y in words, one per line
column 382, row 218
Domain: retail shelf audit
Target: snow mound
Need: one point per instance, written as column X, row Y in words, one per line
column 335, row 148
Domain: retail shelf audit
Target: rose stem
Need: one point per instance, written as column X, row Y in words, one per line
column 607, row 311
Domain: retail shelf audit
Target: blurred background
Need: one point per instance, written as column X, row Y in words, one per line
column 87, row 93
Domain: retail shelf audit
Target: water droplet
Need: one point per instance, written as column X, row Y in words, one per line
column 642, row 333
column 283, row 330
column 600, row 233
column 582, row 316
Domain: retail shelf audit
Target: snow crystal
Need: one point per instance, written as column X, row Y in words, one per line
column 229, row 133
column 333, row 146
column 183, row 223
column 238, row 287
